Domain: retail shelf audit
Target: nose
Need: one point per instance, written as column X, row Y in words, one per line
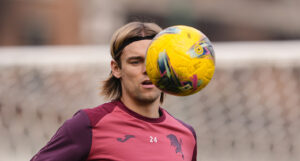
column 144, row 69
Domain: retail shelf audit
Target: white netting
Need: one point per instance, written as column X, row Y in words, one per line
column 250, row 110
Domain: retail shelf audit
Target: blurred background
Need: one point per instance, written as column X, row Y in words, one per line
column 55, row 54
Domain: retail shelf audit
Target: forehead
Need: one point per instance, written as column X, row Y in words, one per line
column 137, row 48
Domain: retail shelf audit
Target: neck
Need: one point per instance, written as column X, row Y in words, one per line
column 148, row 109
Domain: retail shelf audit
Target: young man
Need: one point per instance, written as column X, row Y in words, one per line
column 132, row 127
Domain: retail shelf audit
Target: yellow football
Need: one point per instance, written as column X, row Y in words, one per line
column 180, row 60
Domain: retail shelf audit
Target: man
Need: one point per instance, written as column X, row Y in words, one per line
column 132, row 127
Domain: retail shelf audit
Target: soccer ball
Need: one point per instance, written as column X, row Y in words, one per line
column 180, row 60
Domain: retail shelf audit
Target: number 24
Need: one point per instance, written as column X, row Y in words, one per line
column 153, row 139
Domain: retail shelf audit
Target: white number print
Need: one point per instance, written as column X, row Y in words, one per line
column 153, row 139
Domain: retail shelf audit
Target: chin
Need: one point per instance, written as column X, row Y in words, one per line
column 148, row 98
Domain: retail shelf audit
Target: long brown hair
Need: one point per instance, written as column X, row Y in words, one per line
column 112, row 85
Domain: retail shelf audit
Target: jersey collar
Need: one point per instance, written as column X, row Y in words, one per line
column 122, row 106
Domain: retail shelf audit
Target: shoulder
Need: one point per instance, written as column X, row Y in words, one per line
column 97, row 113
column 78, row 123
column 72, row 141
column 185, row 125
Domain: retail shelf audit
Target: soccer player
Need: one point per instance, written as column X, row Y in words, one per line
column 133, row 126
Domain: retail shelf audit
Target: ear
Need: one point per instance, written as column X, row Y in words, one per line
column 115, row 69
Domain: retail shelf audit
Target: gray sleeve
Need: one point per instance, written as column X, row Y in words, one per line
column 72, row 141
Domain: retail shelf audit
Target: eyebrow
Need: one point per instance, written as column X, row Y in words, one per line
column 135, row 57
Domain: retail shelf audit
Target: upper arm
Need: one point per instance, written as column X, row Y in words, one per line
column 195, row 148
column 72, row 141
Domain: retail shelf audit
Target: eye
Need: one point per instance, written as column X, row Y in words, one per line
column 134, row 62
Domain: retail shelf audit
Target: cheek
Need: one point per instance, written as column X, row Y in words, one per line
column 129, row 76
column 132, row 72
